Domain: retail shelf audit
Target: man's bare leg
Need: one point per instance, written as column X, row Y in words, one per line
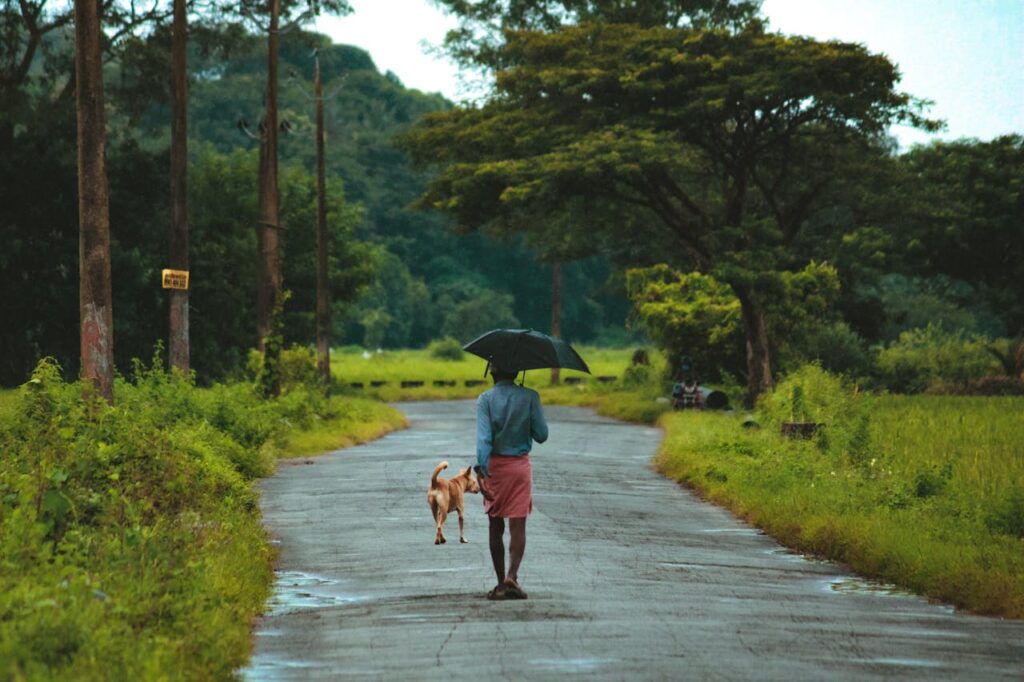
column 516, row 547
column 497, row 541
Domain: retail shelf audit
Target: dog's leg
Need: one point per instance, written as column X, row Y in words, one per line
column 441, row 516
column 462, row 534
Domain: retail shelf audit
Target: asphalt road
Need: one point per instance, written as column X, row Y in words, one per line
column 629, row 577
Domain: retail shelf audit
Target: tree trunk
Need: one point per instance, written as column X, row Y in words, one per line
column 178, row 343
column 270, row 280
column 323, row 303
column 759, row 370
column 556, row 312
column 95, row 310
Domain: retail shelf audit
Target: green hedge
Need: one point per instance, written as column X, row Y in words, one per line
column 130, row 538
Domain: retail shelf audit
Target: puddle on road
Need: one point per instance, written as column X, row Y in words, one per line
column 296, row 591
column 850, row 584
column 742, row 531
column 906, row 662
column 273, row 668
column 570, row 665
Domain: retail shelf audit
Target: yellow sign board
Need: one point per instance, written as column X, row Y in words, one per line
column 175, row 279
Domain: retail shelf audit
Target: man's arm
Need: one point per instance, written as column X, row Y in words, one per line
column 538, row 425
column 484, row 436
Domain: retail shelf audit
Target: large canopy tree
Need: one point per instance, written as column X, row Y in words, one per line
column 966, row 219
column 480, row 36
column 722, row 144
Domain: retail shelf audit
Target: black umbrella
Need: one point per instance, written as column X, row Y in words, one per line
column 521, row 349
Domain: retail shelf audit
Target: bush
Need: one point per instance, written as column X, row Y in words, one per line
column 1007, row 515
column 811, row 394
column 638, row 376
column 112, row 522
column 838, row 349
column 447, row 348
column 994, row 386
column 296, row 367
column 929, row 357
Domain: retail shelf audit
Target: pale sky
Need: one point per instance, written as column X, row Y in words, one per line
column 965, row 55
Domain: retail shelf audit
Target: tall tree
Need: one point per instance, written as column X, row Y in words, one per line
column 294, row 13
column 721, row 142
column 964, row 218
column 270, row 276
column 95, row 310
column 323, row 294
column 178, row 345
column 481, row 34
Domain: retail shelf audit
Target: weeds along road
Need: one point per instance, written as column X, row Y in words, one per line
column 629, row 577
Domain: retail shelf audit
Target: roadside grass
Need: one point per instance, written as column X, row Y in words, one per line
column 355, row 421
column 131, row 545
column 927, row 493
column 7, row 402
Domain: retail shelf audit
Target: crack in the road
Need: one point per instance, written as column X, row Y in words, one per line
column 440, row 650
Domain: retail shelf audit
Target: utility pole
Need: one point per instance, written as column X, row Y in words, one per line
column 94, row 291
column 556, row 312
column 323, row 294
column 270, row 280
column 178, row 343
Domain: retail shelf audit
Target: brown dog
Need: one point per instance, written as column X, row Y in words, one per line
column 445, row 495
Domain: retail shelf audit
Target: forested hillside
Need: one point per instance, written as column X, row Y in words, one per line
column 399, row 277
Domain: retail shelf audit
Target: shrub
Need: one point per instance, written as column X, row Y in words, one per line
column 447, row 348
column 112, row 519
column 838, row 349
column 298, row 367
column 637, row 376
column 930, row 357
column 1007, row 514
column 814, row 395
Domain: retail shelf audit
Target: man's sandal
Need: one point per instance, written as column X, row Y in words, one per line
column 498, row 593
column 512, row 590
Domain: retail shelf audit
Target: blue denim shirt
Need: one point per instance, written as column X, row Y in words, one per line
column 508, row 419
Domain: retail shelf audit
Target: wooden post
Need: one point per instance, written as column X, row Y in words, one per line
column 323, row 301
column 270, row 280
column 178, row 343
column 94, row 292
column 556, row 311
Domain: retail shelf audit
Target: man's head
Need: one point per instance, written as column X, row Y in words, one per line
column 502, row 374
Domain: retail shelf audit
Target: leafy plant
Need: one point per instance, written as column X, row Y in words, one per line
column 929, row 357
column 447, row 348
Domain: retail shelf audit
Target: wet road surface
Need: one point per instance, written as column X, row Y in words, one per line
column 629, row 577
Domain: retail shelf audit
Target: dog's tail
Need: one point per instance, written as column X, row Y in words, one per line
column 437, row 470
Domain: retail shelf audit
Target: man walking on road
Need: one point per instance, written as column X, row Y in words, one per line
column 509, row 419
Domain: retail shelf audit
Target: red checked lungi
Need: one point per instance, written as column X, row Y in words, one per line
column 510, row 485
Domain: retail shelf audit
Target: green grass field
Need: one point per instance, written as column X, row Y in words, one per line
column 394, row 367
column 929, row 497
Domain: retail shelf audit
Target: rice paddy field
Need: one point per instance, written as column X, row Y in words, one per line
column 926, row 493
column 382, row 375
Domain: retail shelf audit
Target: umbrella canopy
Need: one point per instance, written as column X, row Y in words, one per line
column 522, row 349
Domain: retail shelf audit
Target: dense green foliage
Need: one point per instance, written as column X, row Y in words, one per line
column 715, row 147
column 130, row 538
column 922, row 492
column 424, row 279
